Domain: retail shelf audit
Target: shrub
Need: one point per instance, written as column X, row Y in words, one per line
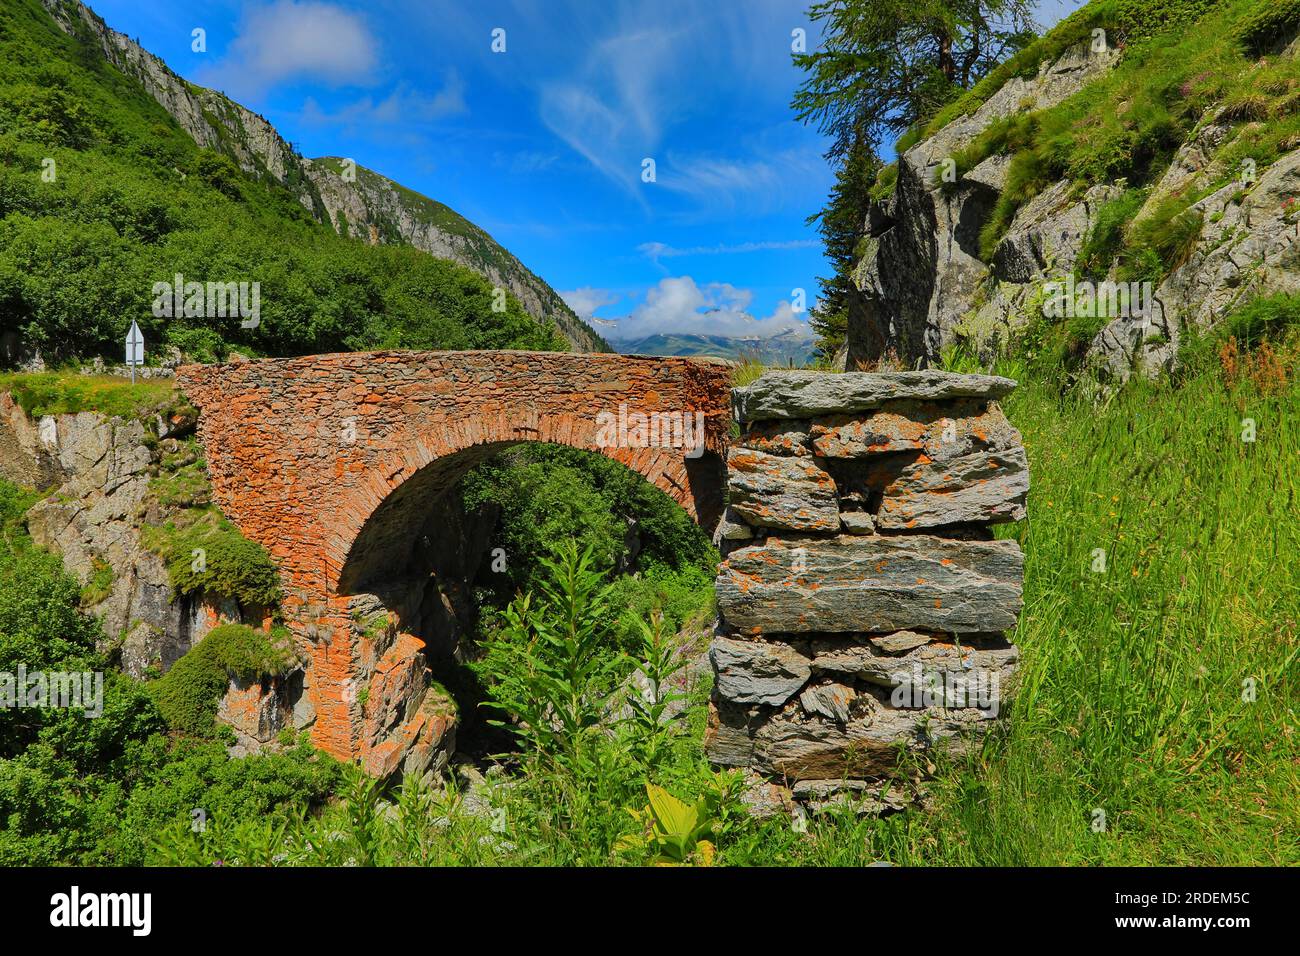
column 206, row 553
column 187, row 695
column 1268, row 24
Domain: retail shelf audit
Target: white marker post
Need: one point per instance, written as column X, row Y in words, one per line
column 134, row 349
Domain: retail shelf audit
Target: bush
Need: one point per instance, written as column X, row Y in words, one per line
column 206, row 553
column 188, row 694
column 1270, row 23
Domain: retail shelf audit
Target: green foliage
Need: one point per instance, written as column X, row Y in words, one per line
column 1269, row 23
column 135, row 201
column 549, row 667
column 884, row 65
column 673, row 832
column 187, row 695
column 683, row 596
column 886, row 180
column 840, row 224
column 100, row 584
column 1026, row 176
column 546, row 493
column 1106, row 237
column 97, row 790
column 650, row 729
column 1075, row 28
column 206, row 553
column 1163, row 240
column 1269, row 320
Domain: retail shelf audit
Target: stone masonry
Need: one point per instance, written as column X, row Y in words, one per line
column 863, row 601
column 333, row 462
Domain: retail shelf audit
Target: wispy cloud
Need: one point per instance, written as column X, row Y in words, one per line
column 610, row 112
column 658, row 250
column 403, row 106
column 293, row 40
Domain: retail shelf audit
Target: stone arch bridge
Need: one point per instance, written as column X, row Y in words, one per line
column 332, row 462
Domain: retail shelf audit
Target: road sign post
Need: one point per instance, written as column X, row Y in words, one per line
column 134, row 349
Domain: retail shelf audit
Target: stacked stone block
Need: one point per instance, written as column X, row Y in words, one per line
column 864, row 603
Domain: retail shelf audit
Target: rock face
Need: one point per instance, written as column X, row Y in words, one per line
column 921, row 272
column 923, row 281
column 840, row 647
column 364, row 205
column 100, row 470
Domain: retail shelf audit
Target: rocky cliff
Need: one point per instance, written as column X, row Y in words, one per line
column 366, row 206
column 999, row 215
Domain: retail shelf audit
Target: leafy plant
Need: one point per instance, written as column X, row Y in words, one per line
column 549, row 664
column 650, row 727
column 675, row 833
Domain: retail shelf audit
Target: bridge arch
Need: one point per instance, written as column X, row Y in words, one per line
column 327, row 461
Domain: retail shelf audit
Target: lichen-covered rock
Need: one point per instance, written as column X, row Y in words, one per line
column 801, row 394
column 831, row 700
column 900, row 642
column 774, row 491
column 940, row 429
column 857, row 522
column 790, row 743
column 872, row 583
column 983, row 486
column 777, row 438
column 732, row 528
column 866, row 661
column 757, row 672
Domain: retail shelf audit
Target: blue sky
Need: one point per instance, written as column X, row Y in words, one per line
column 544, row 144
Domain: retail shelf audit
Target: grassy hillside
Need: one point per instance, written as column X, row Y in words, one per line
column 102, row 195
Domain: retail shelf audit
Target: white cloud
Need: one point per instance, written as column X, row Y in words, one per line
column 295, row 40
column 403, row 106
column 679, row 305
column 587, row 300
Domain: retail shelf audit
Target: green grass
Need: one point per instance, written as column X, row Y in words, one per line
column 59, row 393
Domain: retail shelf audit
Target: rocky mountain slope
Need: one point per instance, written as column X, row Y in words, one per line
column 366, row 206
column 1146, row 173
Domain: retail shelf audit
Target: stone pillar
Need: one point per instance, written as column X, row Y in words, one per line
column 863, row 600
